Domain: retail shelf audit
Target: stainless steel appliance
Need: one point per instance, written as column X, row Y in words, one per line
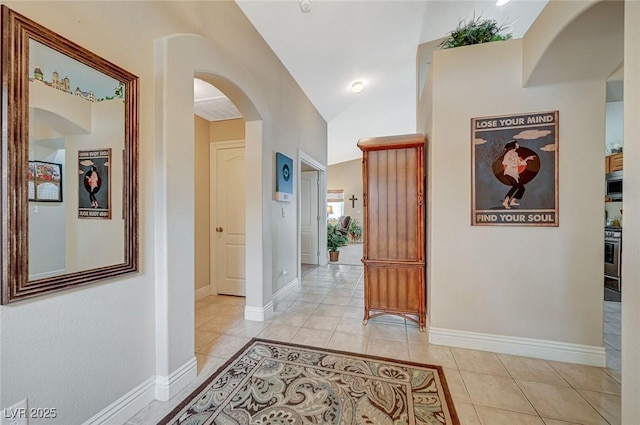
column 613, row 257
column 614, row 186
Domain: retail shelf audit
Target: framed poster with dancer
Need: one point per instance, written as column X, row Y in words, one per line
column 514, row 170
column 94, row 184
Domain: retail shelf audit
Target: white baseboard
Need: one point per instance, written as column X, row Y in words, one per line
column 539, row 348
column 168, row 386
column 202, row 293
column 126, row 406
column 282, row 292
column 258, row 314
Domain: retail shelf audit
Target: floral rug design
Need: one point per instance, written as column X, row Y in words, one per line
column 270, row 382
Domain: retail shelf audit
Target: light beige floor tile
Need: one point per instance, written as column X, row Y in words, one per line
column 414, row 334
column 479, row 362
column 278, row 332
column 432, row 354
column 203, row 338
column 290, row 318
column 612, row 328
column 283, row 305
column 314, row 290
column 492, row 416
column 389, row 348
column 354, row 312
column 608, row 405
column 208, row 364
column 615, row 374
column 496, row 391
column 201, row 317
column 342, row 292
column 329, row 310
column 312, row 298
column 548, row 421
column 224, row 346
column 456, row 385
column 467, row 414
column 218, row 325
column 348, row 342
column 326, row 323
column 313, row 337
column 587, row 377
column 246, row 328
column 388, row 331
column 356, row 302
column 229, row 310
column 302, row 307
column 336, row 300
column 561, row 403
column 529, row 369
column 203, row 301
column 352, row 326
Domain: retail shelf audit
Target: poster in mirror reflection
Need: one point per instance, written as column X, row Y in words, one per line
column 45, row 181
column 94, row 188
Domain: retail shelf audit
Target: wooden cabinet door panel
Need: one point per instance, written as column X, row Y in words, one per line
column 393, row 289
column 393, row 205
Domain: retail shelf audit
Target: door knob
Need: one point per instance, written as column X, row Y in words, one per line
column 219, row 229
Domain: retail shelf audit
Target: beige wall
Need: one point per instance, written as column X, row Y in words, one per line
column 206, row 132
column 529, row 282
column 348, row 177
column 222, row 131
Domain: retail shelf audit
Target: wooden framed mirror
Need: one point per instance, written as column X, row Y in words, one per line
column 69, row 163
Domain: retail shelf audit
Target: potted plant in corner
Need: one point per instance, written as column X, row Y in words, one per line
column 335, row 239
column 355, row 230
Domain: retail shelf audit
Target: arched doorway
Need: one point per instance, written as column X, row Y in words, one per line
column 181, row 57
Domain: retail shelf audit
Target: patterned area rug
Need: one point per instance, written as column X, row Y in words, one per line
column 270, row 382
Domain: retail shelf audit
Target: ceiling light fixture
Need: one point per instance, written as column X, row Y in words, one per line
column 357, row 87
column 502, row 2
column 305, row 5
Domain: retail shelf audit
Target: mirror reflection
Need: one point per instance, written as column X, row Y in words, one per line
column 69, row 163
column 75, row 179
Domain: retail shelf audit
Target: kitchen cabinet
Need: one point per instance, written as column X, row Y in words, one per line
column 613, row 163
column 394, row 230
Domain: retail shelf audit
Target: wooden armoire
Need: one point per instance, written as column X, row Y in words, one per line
column 394, row 227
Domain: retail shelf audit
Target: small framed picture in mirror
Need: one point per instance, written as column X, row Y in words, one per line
column 45, row 181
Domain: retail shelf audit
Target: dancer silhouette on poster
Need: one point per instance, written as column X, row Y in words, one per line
column 92, row 183
column 513, row 166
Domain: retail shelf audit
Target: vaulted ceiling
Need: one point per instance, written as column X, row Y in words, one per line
column 339, row 42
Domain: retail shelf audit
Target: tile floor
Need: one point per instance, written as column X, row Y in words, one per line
column 612, row 334
column 487, row 388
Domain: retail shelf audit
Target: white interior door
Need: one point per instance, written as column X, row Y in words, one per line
column 228, row 224
column 309, row 217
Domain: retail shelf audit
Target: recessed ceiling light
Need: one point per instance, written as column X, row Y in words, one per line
column 305, row 5
column 357, row 87
column 502, row 2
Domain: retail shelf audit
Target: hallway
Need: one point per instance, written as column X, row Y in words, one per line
column 327, row 311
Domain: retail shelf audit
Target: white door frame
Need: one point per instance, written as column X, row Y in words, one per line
column 322, row 212
column 214, row 147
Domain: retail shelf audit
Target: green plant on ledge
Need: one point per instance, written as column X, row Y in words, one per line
column 335, row 239
column 476, row 31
